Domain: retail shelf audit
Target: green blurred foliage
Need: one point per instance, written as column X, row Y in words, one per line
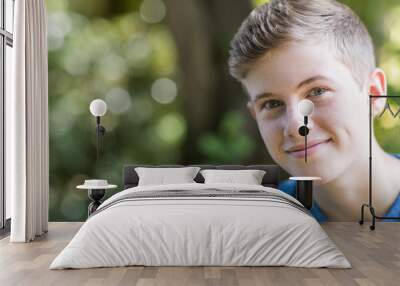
column 230, row 144
column 110, row 50
column 117, row 59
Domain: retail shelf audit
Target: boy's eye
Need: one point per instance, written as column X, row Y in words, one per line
column 271, row 104
column 318, row 91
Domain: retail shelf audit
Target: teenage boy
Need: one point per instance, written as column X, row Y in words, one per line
column 289, row 50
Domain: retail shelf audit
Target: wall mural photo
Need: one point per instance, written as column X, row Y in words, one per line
column 185, row 82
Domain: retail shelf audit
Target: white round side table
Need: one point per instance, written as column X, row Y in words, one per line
column 96, row 195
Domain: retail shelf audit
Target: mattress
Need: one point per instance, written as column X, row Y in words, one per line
column 201, row 225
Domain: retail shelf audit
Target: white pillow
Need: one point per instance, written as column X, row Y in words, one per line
column 162, row 176
column 248, row 177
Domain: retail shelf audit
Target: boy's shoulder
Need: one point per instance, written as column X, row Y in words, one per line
column 288, row 186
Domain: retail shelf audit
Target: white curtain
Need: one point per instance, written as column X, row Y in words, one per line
column 27, row 124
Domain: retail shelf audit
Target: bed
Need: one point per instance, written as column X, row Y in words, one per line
column 201, row 224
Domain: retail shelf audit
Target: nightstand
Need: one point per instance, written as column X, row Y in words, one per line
column 304, row 189
column 96, row 192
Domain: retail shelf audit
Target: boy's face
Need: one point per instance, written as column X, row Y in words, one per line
column 339, row 124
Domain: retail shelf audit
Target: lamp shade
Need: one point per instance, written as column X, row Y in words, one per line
column 306, row 107
column 98, row 107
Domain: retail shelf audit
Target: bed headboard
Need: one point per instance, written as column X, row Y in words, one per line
column 130, row 178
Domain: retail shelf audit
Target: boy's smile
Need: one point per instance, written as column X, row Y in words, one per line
column 298, row 151
column 339, row 128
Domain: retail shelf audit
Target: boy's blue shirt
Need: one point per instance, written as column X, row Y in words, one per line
column 289, row 187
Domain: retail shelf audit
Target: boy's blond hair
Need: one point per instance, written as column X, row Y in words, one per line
column 282, row 21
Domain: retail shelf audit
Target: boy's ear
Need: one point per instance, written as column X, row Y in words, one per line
column 377, row 87
column 250, row 107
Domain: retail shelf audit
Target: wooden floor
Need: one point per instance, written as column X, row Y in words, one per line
column 375, row 257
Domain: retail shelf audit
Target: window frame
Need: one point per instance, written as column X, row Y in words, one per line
column 6, row 39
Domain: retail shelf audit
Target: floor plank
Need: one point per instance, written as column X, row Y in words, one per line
column 375, row 257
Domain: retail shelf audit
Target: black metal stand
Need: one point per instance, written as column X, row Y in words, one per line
column 305, row 149
column 369, row 205
column 95, row 195
column 303, row 131
column 100, row 131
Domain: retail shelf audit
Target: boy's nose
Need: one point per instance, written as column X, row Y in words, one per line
column 293, row 121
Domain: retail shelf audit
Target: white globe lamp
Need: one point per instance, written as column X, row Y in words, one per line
column 306, row 107
column 98, row 108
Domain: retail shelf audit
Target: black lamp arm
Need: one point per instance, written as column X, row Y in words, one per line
column 303, row 131
column 100, row 131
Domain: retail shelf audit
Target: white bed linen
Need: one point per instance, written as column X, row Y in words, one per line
column 200, row 231
column 163, row 176
column 248, row 177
